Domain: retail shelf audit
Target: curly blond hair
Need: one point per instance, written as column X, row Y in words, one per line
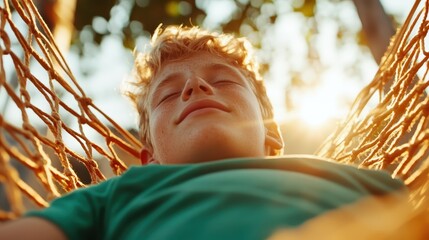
column 176, row 42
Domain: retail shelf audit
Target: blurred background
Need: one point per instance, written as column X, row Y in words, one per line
column 315, row 54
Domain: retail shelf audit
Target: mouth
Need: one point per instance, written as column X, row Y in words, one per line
column 201, row 104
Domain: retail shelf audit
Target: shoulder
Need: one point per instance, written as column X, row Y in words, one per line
column 318, row 169
column 347, row 175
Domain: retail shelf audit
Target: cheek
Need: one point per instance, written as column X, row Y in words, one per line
column 250, row 106
column 158, row 122
column 255, row 115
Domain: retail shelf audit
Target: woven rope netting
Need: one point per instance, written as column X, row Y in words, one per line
column 393, row 134
column 386, row 128
column 32, row 138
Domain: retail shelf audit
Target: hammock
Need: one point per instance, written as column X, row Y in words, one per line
column 33, row 144
column 391, row 134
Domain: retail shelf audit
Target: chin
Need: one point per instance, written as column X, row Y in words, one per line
column 214, row 142
column 216, row 149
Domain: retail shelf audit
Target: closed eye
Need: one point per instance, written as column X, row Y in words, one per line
column 169, row 96
column 224, row 82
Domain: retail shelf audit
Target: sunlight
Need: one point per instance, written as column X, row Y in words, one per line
column 316, row 107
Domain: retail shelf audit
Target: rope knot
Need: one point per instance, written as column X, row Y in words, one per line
column 85, row 101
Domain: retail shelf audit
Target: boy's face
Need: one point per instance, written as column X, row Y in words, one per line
column 202, row 109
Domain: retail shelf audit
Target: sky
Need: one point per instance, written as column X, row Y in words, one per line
column 102, row 74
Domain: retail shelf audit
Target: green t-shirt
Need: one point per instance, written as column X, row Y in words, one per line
column 228, row 199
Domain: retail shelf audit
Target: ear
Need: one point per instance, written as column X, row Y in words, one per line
column 273, row 139
column 146, row 157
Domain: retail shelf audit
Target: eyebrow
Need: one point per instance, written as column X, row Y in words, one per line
column 222, row 66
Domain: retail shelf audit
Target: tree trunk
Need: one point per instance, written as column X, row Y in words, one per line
column 377, row 26
column 59, row 16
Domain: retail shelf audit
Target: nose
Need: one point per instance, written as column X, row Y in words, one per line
column 196, row 85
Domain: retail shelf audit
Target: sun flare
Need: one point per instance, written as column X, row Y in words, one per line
column 316, row 107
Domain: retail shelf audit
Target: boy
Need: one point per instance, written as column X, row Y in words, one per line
column 206, row 124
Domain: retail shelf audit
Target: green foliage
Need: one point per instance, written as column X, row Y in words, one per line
column 166, row 12
column 250, row 18
column 149, row 13
column 87, row 9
